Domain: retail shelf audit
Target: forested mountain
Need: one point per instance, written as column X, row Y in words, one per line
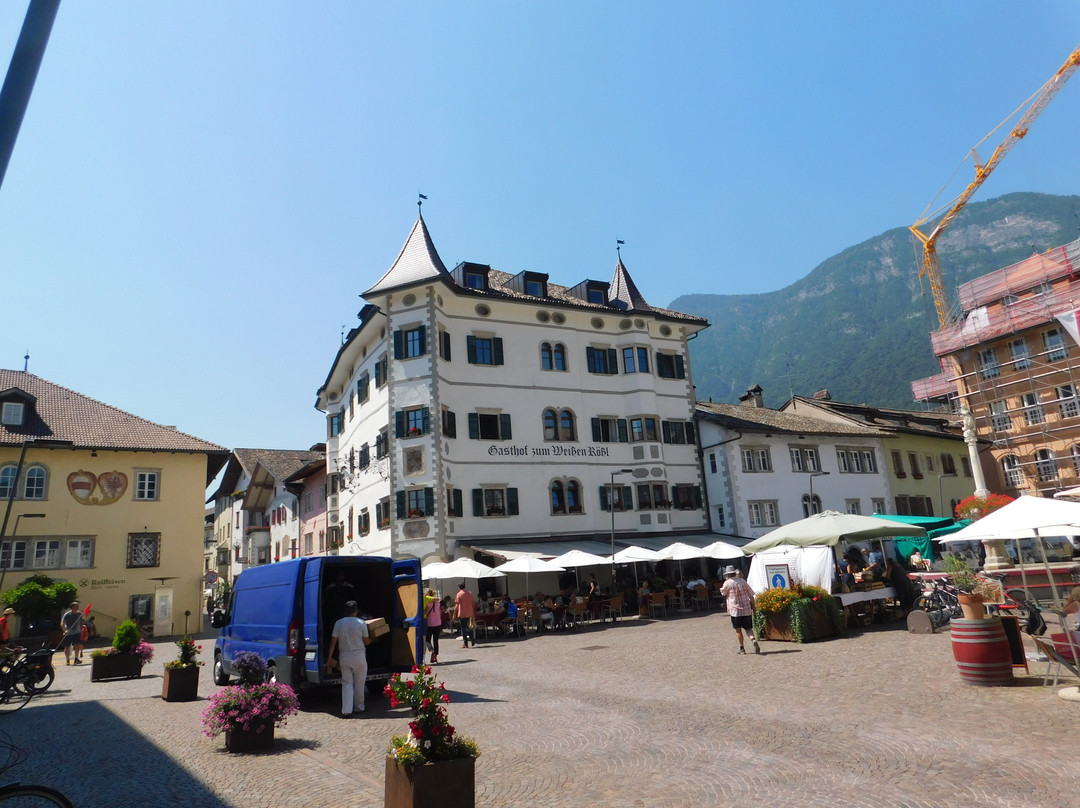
column 859, row 324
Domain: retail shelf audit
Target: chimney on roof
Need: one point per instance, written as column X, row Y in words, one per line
column 823, row 395
column 752, row 397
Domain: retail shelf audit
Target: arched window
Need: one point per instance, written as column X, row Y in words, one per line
column 566, row 426
column 1014, row 476
column 560, row 356
column 811, row 507
column 573, row 496
column 545, row 356
column 558, row 500
column 35, row 483
column 551, row 431
column 1046, row 465
column 7, row 481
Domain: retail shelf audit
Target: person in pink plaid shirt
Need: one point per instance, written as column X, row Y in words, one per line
column 740, row 605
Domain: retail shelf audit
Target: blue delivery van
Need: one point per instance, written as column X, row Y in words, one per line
column 285, row 612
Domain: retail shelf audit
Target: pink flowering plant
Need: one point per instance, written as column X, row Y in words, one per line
column 127, row 640
column 253, row 703
column 431, row 736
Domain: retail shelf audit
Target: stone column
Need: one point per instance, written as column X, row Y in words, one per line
column 996, row 556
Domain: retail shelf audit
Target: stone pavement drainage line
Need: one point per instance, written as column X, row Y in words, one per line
column 341, row 768
column 593, row 648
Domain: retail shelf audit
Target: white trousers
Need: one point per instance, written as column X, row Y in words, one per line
column 353, row 677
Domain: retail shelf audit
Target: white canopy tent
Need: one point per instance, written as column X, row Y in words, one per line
column 528, row 565
column 810, row 565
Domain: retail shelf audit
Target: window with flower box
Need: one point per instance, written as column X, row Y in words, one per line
column 415, row 503
column 412, row 423
column 382, row 513
column 565, row 496
column 620, row 497
column 495, row 501
column 685, row 497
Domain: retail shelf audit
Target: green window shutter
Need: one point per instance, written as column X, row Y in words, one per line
column 612, row 361
column 474, row 425
column 429, row 502
column 628, row 497
column 590, row 359
column 399, row 345
column 451, row 424
column 603, row 498
column 470, row 348
column 399, row 424
column 596, row 430
column 458, row 508
column 497, row 351
column 690, row 434
column 511, row 502
column 446, row 345
column 697, row 496
column 400, row 504
column 680, row 367
column 378, row 374
column 665, row 427
column 624, row 435
column 422, row 331
column 425, row 417
column 478, row 502
column 504, row 426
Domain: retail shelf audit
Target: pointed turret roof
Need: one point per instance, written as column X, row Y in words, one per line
column 624, row 293
column 417, row 262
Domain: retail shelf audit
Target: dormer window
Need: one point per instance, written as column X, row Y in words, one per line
column 534, row 288
column 474, row 280
column 597, row 295
column 13, row 413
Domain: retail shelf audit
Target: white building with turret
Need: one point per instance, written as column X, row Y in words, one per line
column 474, row 410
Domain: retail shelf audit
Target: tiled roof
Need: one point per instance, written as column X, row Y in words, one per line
column 913, row 422
column 624, row 292
column 282, row 463
column 63, row 414
column 418, row 261
column 763, row 419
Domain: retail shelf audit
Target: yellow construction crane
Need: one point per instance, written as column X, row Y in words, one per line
column 930, row 266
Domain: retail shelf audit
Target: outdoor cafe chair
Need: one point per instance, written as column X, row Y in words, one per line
column 658, row 603
column 701, row 598
column 612, row 608
column 578, row 612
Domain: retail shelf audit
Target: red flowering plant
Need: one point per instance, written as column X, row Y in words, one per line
column 431, row 736
column 974, row 507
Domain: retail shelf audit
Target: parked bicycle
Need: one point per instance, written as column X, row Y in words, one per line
column 25, row 795
column 24, row 675
column 939, row 600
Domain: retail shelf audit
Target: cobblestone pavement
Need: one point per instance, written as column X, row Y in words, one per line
column 643, row 713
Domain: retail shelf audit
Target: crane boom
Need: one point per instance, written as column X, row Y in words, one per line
column 930, row 266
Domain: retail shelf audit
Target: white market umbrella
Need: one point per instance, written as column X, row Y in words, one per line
column 431, row 569
column 466, row 568
column 722, row 549
column 828, row 528
column 579, row 558
column 633, row 554
column 680, row 551
column 528, row 564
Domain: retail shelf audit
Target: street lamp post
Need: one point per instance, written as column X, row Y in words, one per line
column 11, row 551
column 611, row 507
column 810, row 504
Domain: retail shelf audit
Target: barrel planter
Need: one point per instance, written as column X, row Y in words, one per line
column 982, row 652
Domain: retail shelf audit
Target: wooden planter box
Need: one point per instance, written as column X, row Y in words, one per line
column 446, row 783
column 260, row 736
column 115, row 666
column 180, row 684
column 819, row 624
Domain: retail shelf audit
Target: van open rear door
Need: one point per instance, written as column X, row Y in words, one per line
column 409, row 646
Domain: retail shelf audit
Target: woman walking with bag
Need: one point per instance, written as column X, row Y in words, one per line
column 433, row 619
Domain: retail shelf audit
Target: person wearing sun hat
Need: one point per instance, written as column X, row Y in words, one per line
column 5, row 628
column 740, row 606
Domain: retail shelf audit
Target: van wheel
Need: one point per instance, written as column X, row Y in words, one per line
column 220, row 677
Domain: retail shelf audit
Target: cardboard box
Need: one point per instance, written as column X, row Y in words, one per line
column 377, row 627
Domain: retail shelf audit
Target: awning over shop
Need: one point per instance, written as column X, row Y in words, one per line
column 500, row 548
column 658, row 541
column 935, row 527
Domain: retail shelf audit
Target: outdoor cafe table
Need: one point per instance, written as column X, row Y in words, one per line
column 490, row 620
column 851, row 598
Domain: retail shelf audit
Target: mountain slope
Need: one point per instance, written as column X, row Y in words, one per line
column 858, row 324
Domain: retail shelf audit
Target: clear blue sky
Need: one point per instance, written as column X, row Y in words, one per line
column 201, row 190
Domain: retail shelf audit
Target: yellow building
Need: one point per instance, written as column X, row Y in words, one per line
column 106, row 500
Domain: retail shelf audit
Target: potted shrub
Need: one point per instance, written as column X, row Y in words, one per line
column 799, row 612
column 248, row 712
column 126, row 657
column 963, row 578
column 431, row 765
column 181, row 679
